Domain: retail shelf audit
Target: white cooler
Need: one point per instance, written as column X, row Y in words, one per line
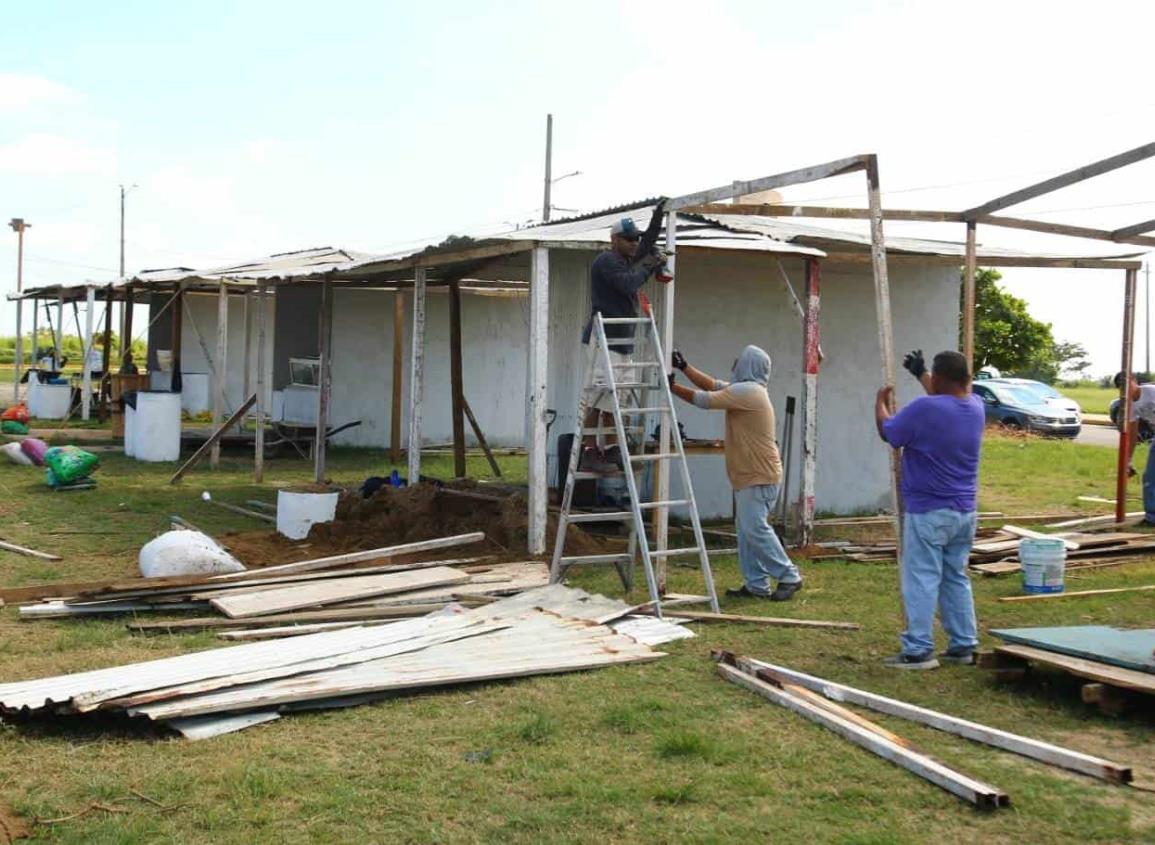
column 53, row 401
column 156, row 427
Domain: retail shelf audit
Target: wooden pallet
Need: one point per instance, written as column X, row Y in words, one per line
column 1113, row 689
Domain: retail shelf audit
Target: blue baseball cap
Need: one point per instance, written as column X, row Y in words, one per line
column 626, row 228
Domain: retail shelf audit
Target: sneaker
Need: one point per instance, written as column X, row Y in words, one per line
column 785, row 592
column 910, row 661
column 958, row 656
column 744, row 592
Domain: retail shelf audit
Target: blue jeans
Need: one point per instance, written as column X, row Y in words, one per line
column 760, row 553
column 935, row 549
column 1149, row 485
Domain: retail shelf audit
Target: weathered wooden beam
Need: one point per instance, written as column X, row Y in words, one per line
column 987, row 261
column 259, row 442
column 766, row 183
column 416, row 376
column 812, row 358
column 1132, row 231
column 663, row 469
column 477, row 432
column 320, row 438
column 86, row 371
column 768, row 621
column 456, row 388
column 1061, row 229
column 21, row 550
column 1124, row 458
column 398, row 359
column 825, row 212
column 1071, row 177
column 1078, row 594
column 220, row 377
column 176, row 385
column 538, row 366
column 968, row 309
column 213, row 442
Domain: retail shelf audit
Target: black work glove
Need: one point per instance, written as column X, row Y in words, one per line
column 671, row 378
column 914, row 363
column 678, row 360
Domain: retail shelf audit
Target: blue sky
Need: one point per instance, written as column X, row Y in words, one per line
column 256, row 127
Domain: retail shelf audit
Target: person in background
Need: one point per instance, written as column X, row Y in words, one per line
column 1142, row 408
column 753, row 465
column 940, row 435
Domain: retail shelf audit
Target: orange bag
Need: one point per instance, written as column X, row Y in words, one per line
column 18, row 413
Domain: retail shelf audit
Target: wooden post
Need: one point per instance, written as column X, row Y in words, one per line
column 968, row 309
column 320, row 441
column 885, row 333
column 810, row 364
column 35, row 356
column 247, row 323
column 58, row 339
column 455, row 379
column 416, row 375
column 222, row 369
column 1130, row 282
column 259, row 447
column 480, row 435
column 85, row 370
column 662, row 468
column 19, row 360
column 126, row 332
column 398, row 355
column 177, row 323
column 106, row 360
column 538, row 366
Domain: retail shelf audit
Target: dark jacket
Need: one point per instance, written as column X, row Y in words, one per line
column 614, row 285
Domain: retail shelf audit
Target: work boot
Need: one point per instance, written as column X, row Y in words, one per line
column 785, row 592
column 744, row 592
column 909, row 661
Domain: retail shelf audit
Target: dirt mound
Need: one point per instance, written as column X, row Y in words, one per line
column 12, row 827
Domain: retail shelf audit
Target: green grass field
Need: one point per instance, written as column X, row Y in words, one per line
column 1093, row 400
column 662, row 752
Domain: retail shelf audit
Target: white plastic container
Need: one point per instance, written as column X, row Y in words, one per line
column 298, row 512
column 129, row 431
column 156, row 435
column 53, row 401
column 194, row 392
column 1044, row 562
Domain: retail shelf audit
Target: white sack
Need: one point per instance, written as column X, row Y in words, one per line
column 16, row 454
column 185, row 553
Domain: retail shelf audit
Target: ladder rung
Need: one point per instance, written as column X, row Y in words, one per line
column 669, row 503
column 630, row 385
column 656, row 456
column 603, row 516
column 579, row 559
column 691, row 550
column 588, row 475
column 654, row 409
column 622, row 321
column 635, row 364
column 612, row 430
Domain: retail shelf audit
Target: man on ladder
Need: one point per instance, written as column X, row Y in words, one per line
column 753, row 465
column 615, row 280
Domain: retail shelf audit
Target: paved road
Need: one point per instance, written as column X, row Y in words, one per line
column 1098, row 435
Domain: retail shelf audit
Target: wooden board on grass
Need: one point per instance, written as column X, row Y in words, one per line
column 1102, row 672
column 318, row 593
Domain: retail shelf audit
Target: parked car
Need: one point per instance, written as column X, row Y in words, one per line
column 1049, row 394
column 1014, row 406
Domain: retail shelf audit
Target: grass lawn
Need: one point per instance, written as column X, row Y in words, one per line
column 1093, row 400
column 663, row 752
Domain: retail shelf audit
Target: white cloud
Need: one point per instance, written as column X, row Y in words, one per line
column 44, row 154
column 21, row 91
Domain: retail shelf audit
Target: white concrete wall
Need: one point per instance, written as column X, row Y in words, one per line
column 493, row 337
column 203, row 310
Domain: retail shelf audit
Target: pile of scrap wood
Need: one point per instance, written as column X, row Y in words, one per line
column 1115, row 665
column 823, row 701
column 380, row 583
column 547, row 630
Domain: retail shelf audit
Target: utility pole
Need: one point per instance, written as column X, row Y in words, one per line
column 548, row 166
column 121, row 324
column 18, row 225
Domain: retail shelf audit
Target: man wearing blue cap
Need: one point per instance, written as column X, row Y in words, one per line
column 614, row 284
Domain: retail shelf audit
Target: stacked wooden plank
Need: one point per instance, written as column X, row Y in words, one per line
column 550, row 629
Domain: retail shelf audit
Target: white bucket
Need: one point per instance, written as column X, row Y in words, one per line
column 156, row 435
column 53, row 401
column 298, row 512
column 194, row 392
column 129, row 431
column 1043, row 561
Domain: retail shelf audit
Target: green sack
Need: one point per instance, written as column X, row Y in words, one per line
column 68, row 464
column 13, row 427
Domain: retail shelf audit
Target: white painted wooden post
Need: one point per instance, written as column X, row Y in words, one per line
column 222, row 369
column 35, row 358
column 259, row 447
column 58, row 338
column 20, row 348
column 812, row 359
column 320, row 441
column 247, row 365
column 538, row 366
column 86, row 371
column 416, row 375
column 662, row 469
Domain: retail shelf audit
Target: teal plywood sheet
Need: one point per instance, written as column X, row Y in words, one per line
column 1129, row 648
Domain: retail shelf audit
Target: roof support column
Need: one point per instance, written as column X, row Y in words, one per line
column 247, row 362
column 538, row 366
column 222, row 370
column 177, row 385
column 1125, row 446
column 455, row 379
column 968, row 307
column 416, row 376
column 19, row 359
column 398, row 358
column 126, row 325
column 86, row 370
column 320, row 441
column 662, row 468
column 34, row 355
column 106, row 357
column 58, row 335
column 262, row 385
column 810, row 364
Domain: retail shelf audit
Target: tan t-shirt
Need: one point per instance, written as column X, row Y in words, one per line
column 751, row 446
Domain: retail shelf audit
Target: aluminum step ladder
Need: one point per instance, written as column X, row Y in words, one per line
column 640, row 394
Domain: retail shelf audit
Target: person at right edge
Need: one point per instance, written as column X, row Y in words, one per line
column 940, row 435
column 1142, row 408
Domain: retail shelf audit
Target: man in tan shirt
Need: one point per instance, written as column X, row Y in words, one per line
column 753, row 465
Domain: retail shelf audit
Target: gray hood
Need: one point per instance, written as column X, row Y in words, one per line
column 752, row 365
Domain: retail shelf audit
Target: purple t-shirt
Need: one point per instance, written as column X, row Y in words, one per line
column 940, row 437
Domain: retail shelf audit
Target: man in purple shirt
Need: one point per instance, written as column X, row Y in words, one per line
column 940, row 435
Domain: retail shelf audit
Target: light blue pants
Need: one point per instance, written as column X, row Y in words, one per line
column 760, row 553
column 1149, row 485
column 935, row 549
